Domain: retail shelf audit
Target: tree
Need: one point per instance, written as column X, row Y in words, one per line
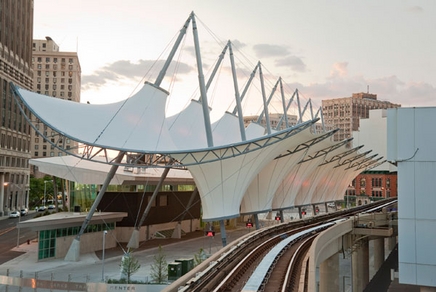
column 129, row 265
column 159, row 269
column 199, row 257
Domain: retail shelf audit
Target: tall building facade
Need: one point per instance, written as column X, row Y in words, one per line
column 345, row 113
column 16, row 34
column 56, row 74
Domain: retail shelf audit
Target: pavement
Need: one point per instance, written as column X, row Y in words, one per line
column 92, row 268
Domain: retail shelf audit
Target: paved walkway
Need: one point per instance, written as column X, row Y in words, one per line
column 90, row 266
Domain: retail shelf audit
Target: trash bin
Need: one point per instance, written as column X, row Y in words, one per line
column 187, row 264
column 174, row 271
column 76, row 209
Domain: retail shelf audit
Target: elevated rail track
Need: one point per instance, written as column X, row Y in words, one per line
column 270, row 259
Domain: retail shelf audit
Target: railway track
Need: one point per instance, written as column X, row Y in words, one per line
column 271, row 259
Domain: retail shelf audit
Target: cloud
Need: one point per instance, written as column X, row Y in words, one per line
column 238, row 44
column 265, row 50
column 339, row 70
column 388, row 88
column 294, row 62
column 124, row 69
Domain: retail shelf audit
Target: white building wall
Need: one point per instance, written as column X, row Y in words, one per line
column 372, row 134
column 412, row 145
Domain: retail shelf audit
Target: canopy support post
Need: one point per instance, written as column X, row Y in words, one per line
column 203, row 92
column 134, row 239
column 223, row 233
column 265, row 104
column 237, row 97
column 74, row 251
column 163, row 71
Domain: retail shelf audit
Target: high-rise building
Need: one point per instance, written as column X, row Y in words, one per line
column 16, row 34
column 345, row 113
column 56, row 74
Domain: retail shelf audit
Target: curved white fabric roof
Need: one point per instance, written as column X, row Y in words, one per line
column 223, row 173
column 135, row 124
column 259, row 195
column 91, row 172
column 223, row 183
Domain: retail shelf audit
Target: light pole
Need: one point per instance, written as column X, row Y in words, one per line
column 102, row 255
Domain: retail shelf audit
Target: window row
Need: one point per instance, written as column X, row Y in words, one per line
column 54, row 93
column 54, row 73
column 55, row 80
column 55, row 59
column 10, row 161
column 54, row 86
column 47, row 238
column 14, row 143
column 55, row 67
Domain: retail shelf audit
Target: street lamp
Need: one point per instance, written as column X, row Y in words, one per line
column 102, row 255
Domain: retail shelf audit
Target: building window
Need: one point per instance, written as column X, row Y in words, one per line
column 47, row 59
column 55, row 60
column 47, row 66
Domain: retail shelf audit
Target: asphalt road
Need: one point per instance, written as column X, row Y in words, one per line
column 9, row 236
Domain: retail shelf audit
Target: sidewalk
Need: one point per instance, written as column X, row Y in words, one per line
column 90, row 266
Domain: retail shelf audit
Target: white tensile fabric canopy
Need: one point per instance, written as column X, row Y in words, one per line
column 90, row 172
column 223, row 172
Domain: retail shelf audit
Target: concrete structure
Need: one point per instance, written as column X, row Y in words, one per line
column 411, row 146
column 350, row 238
column 56, row 74
column 16, row 27
column 57, row 231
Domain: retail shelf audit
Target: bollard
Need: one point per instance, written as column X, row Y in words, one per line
column 28, row 241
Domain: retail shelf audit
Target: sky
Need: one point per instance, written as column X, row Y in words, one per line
column 325, row 49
